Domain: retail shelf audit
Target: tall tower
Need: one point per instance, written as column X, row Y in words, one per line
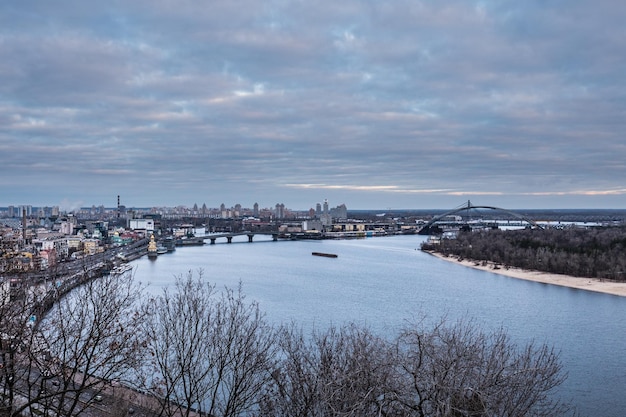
column 118, row 206
column 24, row 225
column 325, row 217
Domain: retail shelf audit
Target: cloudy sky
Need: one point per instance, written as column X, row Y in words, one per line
column 375, row 104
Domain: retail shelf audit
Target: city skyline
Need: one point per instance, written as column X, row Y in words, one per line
column 378, row 105
column 241, row 210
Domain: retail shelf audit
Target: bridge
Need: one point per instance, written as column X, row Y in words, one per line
column 229, row 236
column 432, row 227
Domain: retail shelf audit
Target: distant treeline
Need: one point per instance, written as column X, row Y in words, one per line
column 594, row 253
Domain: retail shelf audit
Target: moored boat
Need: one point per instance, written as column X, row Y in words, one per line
column 121, row 269
column 170, row 244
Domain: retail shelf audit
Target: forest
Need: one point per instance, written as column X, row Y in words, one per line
column 598, row 252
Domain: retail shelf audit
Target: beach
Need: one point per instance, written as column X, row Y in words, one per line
column 588, row 284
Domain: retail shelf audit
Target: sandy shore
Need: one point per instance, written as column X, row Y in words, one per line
column 589, row 284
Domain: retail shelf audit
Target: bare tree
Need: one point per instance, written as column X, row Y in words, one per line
column 449, row 370
column 211, row 352
column 344, row 371
column 459, row 370
column 15, row 312
column 247, row 352
column 86, row 340
column 179, row 335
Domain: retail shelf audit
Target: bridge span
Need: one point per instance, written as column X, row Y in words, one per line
column 432, row 226
column 229, row 236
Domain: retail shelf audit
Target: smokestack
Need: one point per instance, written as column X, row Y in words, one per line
column 24, row 225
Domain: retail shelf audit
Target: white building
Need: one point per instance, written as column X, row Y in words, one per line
column 139, row 225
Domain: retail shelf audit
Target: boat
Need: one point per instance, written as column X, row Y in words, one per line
column 161, row 249
column 121, row 269
column 170, row 244
column 327, row 255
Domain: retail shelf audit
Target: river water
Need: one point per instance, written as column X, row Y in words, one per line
column 385, row 282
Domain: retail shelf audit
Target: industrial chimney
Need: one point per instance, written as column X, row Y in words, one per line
column 24, row 225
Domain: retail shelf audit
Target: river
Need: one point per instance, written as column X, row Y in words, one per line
column 385, row 282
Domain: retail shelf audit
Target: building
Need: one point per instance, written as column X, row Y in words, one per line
column 312, row 225
column 145, row 226
column 66, row 225
column 90, row 246
column 25, row 209
column 279, row 213
column 325, row 217
column 48, row 258
column 74, row 244
column 340, row 212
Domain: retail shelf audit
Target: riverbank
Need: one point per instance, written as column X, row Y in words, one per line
column 588, row 284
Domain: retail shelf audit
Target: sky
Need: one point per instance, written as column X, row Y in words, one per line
column 372, row 104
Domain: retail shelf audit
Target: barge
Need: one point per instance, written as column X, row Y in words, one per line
column 326, row 255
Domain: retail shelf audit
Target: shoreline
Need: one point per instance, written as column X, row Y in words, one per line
column 587, row 284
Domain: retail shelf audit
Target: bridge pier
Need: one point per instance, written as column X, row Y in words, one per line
column 229, row 239
column 212, row 241
column 250, row 236
column 275, row 237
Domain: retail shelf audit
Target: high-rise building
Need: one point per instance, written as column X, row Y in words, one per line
column 280, row 211
column 256, row 210
column 325, row 216
column 28, row 209
column 339, row 212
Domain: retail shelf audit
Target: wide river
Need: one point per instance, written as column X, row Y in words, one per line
column 385, row 282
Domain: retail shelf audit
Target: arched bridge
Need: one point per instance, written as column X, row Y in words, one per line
column 431, row 226
column 229, row 236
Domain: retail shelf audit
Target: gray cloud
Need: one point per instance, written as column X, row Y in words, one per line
column 404, row 103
